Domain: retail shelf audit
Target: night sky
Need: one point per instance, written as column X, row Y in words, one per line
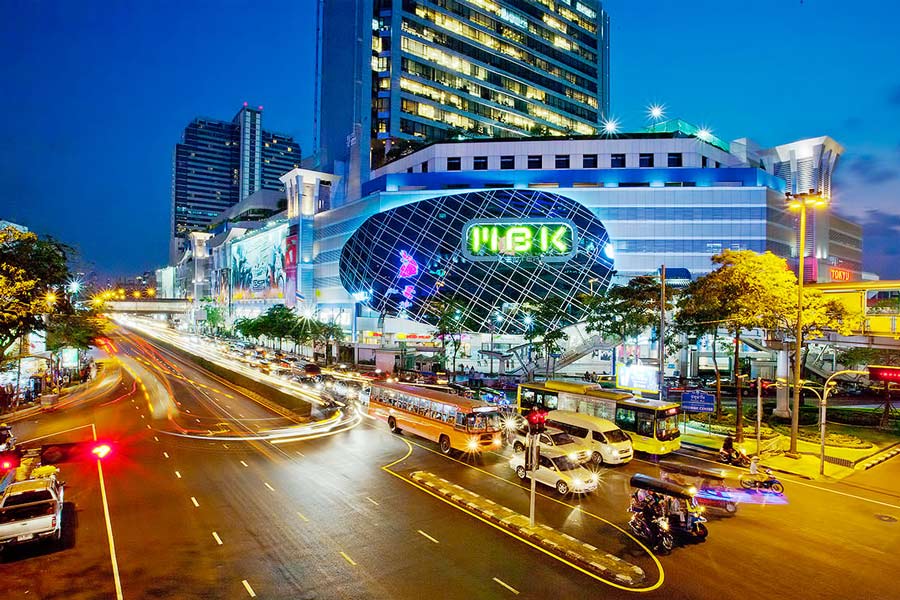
column 96, row 95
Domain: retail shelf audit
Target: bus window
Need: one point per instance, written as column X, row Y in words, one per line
column 460, row 420
column 567, row 402
column 667, row 428
column 549, row 401
column 528, row 397
column 626, row 419
column 645, row 424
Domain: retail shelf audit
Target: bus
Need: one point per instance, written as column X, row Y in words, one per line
column 651, row 424
column 454, row 422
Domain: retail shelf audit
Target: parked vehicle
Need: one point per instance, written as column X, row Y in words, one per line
column 552, row 438
column 557, row 470
column 607, row 442
column 31, row 510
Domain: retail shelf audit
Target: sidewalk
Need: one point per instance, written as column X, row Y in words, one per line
column 35, row 406
column 807, row 466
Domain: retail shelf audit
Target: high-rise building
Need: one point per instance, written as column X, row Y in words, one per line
column 218, row 164
column 391, row 72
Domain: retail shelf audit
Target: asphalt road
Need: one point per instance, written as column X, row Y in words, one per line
column 194, row 517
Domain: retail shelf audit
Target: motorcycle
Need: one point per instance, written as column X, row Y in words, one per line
column 7, row 439
column 654, row 530
column 658, row 518
column 757, row 483
column 692, row 527
column 737, row 457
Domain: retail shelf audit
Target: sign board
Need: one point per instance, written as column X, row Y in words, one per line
column 698, row 401
column 839, row 274
column 549, row 240
column 68, row 358
column 644, row 378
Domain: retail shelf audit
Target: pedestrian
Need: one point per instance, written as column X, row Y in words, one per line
column 587, row 376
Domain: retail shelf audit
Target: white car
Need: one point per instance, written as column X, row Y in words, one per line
column 553, row 439
column 558, row 471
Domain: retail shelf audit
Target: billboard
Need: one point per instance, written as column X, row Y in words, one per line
column 258, row 265
column 643, row 378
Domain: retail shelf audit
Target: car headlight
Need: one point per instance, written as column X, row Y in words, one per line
column 577, row 482
column 472, row 444
column 664, row 525
column 573, row 456
column 509, row 424
column 594, row 478
column 614, row 452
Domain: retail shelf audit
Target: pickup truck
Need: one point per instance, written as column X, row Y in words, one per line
column 31, row 510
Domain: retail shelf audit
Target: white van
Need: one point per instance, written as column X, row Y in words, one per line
column 609, row 444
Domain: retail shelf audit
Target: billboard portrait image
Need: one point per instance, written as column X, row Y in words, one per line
column 258, row 265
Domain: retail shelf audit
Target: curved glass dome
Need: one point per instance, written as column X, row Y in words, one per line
column 488, row 252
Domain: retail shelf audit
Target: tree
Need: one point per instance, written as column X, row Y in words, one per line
column 548, row 318
column 30, row 269
column 328, row 333
column 447, row 314
column 277, row 323
column 249, row 328
column 215, row 318
column 78, row 329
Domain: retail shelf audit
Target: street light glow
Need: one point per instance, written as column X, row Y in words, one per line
column 50, row 298
column 610, row 126
column 656, row 111
column 704, row 133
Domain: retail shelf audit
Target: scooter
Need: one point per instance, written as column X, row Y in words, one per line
column 693, row 527
column 656, row 531
column 7, row 439
column 754, row 482
column 734, row 457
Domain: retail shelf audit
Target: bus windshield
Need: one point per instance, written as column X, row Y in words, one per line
column 483, row 421
column 667, row 428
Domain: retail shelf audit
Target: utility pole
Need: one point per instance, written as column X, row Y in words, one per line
column 662, row 329
column 533, row 451
column 759, row 408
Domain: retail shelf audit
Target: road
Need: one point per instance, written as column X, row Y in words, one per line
column 206, row 517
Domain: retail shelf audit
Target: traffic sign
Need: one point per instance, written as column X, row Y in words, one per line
column 698, row 401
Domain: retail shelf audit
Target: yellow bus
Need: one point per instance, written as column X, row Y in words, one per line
column 651, row 424
column 454, row 422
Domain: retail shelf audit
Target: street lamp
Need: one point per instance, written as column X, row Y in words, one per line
column 800, row 202
column 823, row 402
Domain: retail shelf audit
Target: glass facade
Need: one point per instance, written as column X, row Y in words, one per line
column 403, row 259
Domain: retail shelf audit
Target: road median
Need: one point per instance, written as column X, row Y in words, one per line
column 585, row 556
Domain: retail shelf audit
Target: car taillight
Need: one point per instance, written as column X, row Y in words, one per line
column 53, row 522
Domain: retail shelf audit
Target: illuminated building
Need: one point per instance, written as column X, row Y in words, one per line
column 422, row 70
column 219, row 163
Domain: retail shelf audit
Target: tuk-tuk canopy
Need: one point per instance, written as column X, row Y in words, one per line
column 645, row 482
column 672, row 467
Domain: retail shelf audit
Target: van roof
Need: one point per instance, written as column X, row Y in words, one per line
column 605, row 424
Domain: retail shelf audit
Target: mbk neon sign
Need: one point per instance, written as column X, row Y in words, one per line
column 505, row 239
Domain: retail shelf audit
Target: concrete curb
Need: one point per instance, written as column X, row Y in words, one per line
column 877, row 459
column 556, row 542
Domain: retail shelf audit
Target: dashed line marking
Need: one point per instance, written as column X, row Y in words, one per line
column 143, row 417
column 194, row 502
column 178, row 474
column 217, row 538
column 302, row 516
column 148, row 427
column 348, row 559
column 225, row 446
column 372, row 501
column 268, row 486
column 428, row 537
column 507, row 586
column 166, row 454
column 245, row 464
column 300, row 453
column 248, row 588
column 155, row 438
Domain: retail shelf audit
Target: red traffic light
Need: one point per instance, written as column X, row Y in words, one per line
column 9, row 460
column 52, row 454
column 537, row 418
column 883, row 373
column 101, row 450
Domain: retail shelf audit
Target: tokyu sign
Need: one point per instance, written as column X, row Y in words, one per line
column 520, row 239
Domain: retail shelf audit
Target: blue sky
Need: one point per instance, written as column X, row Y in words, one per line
column 96, row 94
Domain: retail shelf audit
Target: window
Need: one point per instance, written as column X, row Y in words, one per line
column 409, row 170
column 535, row 161
column 704, row 162
column 562, row 161
column 646, row 161
column 480, row 163
column 425, row 167
column 626, row 418
column 454, row 163
column 617, row 161
column 718, row 164
column 507, row 162
column 589, row 161
column 675, row 159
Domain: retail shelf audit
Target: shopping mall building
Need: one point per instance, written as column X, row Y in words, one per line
column 501, row 224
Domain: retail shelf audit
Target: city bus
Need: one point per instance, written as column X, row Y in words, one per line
column 454, row 422
column 651, row 424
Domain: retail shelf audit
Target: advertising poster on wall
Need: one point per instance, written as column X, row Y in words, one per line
column 642, row 378
column 290, row 269
column 258, row 265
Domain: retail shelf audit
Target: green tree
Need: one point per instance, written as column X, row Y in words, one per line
column 328, row 333
column 249, row 328
column 277, row 323
column 215, row 318
column 30, row 269
column 448, row 316
column 77, row 329
column 547, row 321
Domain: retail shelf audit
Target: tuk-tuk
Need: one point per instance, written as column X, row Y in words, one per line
column 672, row 510
column 710, row 484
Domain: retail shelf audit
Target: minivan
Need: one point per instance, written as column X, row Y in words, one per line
column 608, row 443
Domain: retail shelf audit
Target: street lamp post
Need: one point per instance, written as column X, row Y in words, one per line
column 800, row 202
column 823, row 403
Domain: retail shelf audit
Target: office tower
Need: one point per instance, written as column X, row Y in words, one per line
column 219, row 163
column 394, row 73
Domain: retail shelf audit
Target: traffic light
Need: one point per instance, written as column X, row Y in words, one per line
column 10, row 460
column 884, row 373
column 537, row 419
column 52, row 454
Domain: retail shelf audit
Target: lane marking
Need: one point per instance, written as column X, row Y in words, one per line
column 225, row 446
column 194, row 502
column 347, row 558
column 300, row 453
column 155, row 438
column 507, row 586
column 245, row 464
column 148, row 427
column 248, row 588
column 177, row 474
column 22, row 442
column 302, row 516
column 109, row 533
column 217, row 538
column 166, row 454
column 268, row 486
column 428, row 537
column 143, row 417
column 372, row 501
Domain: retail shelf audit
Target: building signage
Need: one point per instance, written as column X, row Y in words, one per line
column 698, row 401
column 839, row 274
column 258, row 265
column 546, row 240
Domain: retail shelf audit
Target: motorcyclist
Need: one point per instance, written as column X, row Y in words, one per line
column 754, row 470
column 6, row 437
column 728, row 446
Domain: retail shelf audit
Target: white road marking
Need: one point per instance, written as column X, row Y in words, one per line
column 155, row 438
column 217, row 538
column 166, row 454
column 109, row 532
column 302, row 516
column 507, row 586
column 428, row 537
column 225, row 446
column 23, row 442
column 177, row 474
column 348, row 559
column 148, row 427
column 268, row 486
column 194, row 502
column 300, row 453
column 245, row 464
column 372, row 501
column 143, row 417
column 249, row 589
column 187, row 410
column 198, row 420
